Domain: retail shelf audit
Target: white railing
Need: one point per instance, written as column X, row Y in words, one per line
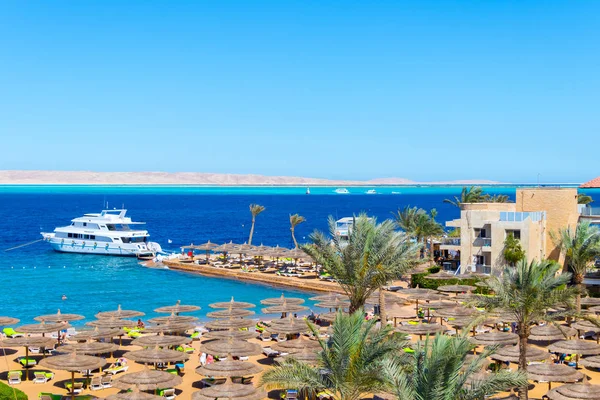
column 511, row 216
column 590, row 211
column 451, row 241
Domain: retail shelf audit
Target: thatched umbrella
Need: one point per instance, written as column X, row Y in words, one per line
column 112, row 322
column 595, row 309
column 161, row 340
column 416, row 290
column 237, row 348
column 231, row 391
column 456, row 288
column 421, row 329
column 334, row 304
column 173, row 319
column 42, row 327
column 307, row 356
column 277, row 301
column 26, row 341
column 97, row 333
column 147, row 379
column 330, row 297
column 548, row 372
column 232, row 304
column 230, row 313
column 329, row 317
column 590, row 362
column 495, row 338
column 502, row 316
column 73, row 363
column 229, row 368
column 134, row 395
column 207, row 247
column 575, row 391
column 279, row 252
column 6, row 321
column 288, row 326
column 590, row 301
column 231, row 323
column 156, row 355
column 284, row 309
column 442, row 275
column 91, row 348
column 169, row 327
column 511, row 354
column 226, row 248
column 425, row 297
column 230, row 333
column 465, row 296
column 119, row 314
column 550, row 332
column 296, row 345
column 59, row 317
column 577, row 347
column 177, row 308
column 587, row 326
column 454, row 312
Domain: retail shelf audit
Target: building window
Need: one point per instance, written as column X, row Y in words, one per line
column 515, row 232
column 480, row 233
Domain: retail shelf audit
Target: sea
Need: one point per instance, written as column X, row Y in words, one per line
column 34, row 278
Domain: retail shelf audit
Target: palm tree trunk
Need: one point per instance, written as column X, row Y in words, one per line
column 382, row 310
column 431, row 248
column 251, row 231
column 578, row 280
column 294, row 238
column 523, row 391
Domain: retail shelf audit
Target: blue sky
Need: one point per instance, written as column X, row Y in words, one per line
column 433, row 90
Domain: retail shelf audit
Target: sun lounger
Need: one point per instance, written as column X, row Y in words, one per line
column 265, row 337
column 196, row 336
column 14, row 377
column 269, row 352
column 118, row 367
column 10, row 332
column 42, row 377
column 291, row 394
column 27, row 362
column 281, row 338
column 247, row 380
column 168, row 394
column 76, row 388
column 96, row 383
column 186, row 349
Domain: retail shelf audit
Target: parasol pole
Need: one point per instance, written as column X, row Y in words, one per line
column 72, row 385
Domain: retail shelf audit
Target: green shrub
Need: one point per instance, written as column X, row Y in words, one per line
column 8, row 393
column 420, row 281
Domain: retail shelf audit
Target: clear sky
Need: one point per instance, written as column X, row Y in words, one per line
column 427, row 90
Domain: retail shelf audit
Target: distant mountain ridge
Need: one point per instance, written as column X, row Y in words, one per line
column 22, row 177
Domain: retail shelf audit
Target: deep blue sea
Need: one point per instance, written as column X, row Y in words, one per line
column 34, row 277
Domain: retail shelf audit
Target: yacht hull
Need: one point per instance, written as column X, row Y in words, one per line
column 91, row 247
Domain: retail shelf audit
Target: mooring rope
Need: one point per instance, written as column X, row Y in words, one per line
column 23, row 245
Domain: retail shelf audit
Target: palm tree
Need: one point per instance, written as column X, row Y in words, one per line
column 255, row 209
column 580, row 248
column 527, row 291
column 419, row 225
column 349, row 363
column 473, row 194
column 373, row 255
column 295, row 220
column 497, row 198
column 583, row 198
column 440, row 371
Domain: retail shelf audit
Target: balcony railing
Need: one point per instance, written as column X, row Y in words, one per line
column 535, row 216
column 483, row 269
column 482, row 242
column 590, row 211
column 451, row 241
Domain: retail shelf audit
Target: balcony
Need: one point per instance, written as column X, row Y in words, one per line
column 588, row 211
column 450, row 242
column 535, row 216
column 482, row 242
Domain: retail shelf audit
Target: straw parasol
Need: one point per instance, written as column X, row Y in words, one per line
column 456, row 288
column 296, row 254
column 230, row 313
column 97, row 333
column 42, row 327
column 575, row 391
column 231, row 323
column 73, row 363
column 330, row 297
column 296, row 345
column 550, row 332
column 511, row 354
column 590, row 301
column 134, row 395
column 493, row 338
column 237, row 348
column 279, row 252
column 288, row 325
column 307, row 356
column 329, row 317
column 226, row 248
column 231, row 391
column 147, row 379
column 161, row 340
column 27, row 341
column 548, row 372
column 454, row 312
column 169, row 327
column 59, row 317
column 173, row 319
column 587, row 326
column 230, row 333
column 119, row 314
column 335, row 304
column 577, row 347
column 90, row 348
column 232, row 304
column 401, row 312
column 5, row 321
column 427, row 296
column 442, row 275
column 277, row 301
column 595, row 309
column 591, row 362
column 177, row 308
column 416, row 290
column 421, row 329
column 229, row 368
column 156, row 355
column 284, row 308
column 502, row 316
column 111, row 322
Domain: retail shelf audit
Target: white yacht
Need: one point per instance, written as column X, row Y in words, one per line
column 109, row 232
column 371, row 191
column 341, row 191
column 343, row 227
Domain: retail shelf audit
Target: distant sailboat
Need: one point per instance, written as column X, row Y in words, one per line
column 307, row 190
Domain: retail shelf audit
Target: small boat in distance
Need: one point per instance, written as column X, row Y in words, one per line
column 307, row 190
column 341, row 191
column 108, row 232
column 371, row 191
